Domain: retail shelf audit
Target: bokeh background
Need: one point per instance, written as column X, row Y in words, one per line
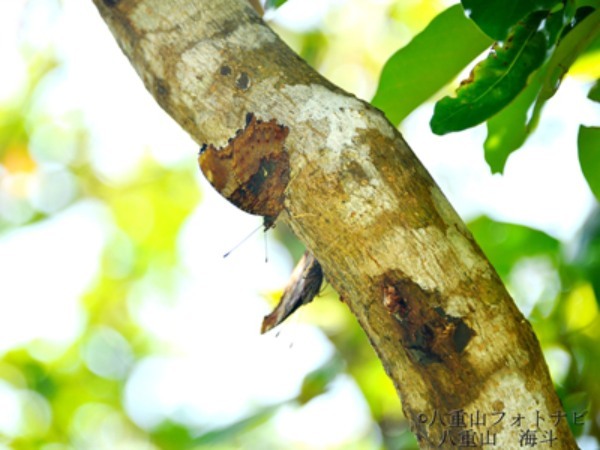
column 123, row 327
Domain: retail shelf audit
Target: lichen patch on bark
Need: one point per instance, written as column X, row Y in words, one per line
column 260, row 36
column 366, row 200
column 340, row 118
column 207, row 58
column 465, row 251
column 445, row 210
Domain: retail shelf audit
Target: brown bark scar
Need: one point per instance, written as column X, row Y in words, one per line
column 429, row 334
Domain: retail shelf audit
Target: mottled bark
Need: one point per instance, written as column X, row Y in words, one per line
column 440, row 319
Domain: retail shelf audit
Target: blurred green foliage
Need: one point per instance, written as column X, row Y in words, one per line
column 76, row 399
column 71, row 400
column 274, row 3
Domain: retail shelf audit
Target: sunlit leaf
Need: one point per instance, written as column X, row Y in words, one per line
column 317, row 381
column 495, row 81
column 588, row 63
column 588, row 143
column 505, row 243
column 274, row 3
column 430, row 61
column 497, row 17
column 579, row 14
column 172, row 436
column 578, row 403
column 594, row 93
column 556, row 23
column 234, row 429
column 588, row 255
column 580, row 307
column 571, row 46
column 314, row 47
column 507, row 130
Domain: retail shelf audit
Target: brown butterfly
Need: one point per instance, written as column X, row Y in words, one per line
column 252, row 171
column 303, row 286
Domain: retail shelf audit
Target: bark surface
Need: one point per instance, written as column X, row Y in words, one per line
column 438, row 316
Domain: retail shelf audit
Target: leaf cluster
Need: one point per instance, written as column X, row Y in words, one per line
column 532, row 45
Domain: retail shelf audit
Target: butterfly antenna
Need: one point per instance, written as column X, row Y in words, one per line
column 241, row 242
column 266, row 249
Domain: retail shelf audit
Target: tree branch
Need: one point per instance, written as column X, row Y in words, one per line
column 437, row 314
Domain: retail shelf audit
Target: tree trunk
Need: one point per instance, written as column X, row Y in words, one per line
column 434, row 309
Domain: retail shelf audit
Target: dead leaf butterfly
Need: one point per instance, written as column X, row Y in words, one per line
column 252, row 171
column 303, row 286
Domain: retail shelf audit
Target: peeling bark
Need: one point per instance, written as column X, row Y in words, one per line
column 437, row 314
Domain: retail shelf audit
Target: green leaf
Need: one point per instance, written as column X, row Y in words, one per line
column 495, row 81
column 318, row 381
column 588, row 144
column 567, row 51
column 274, row 3
column 507, row 130
column 233, row 430
column 430, row 61
column 555, row 25
column 592, row 3
column 171, row 436
column 594, row 93
column 578, row 16
column 587, row 258
column 505, row 243
column 497, row 17
column 593, row 47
